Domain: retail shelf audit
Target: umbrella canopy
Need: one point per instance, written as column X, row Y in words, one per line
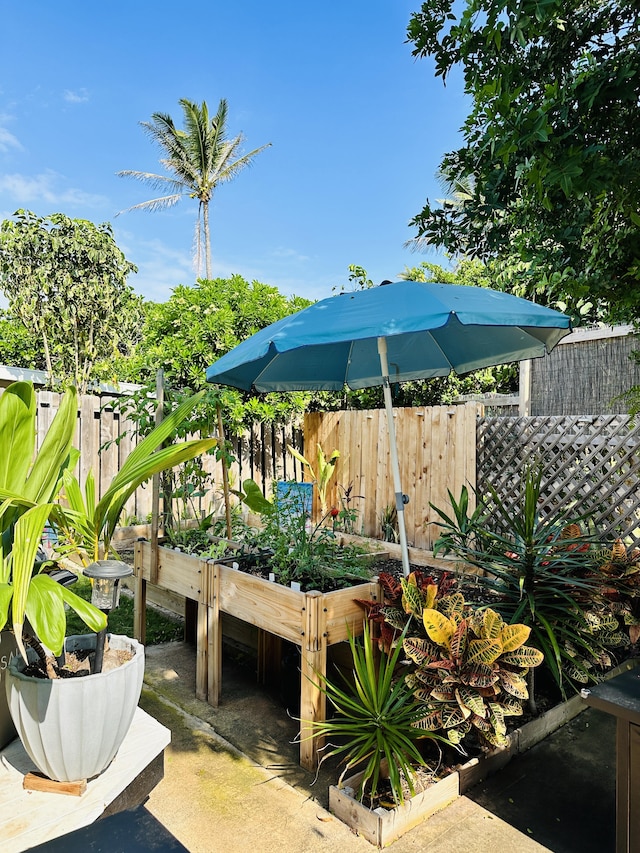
column 431, row 329
column 419, row 330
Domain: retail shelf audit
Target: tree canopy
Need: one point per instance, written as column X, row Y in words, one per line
column 65, row 280
column 550, row 161
column 18, row 347
column 202, row 322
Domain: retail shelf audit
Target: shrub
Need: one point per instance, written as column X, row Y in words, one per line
column 537, row 571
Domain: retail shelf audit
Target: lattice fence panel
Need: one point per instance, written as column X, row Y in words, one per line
column 591, row 465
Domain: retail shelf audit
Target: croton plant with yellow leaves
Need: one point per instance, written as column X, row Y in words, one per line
column 468, row 667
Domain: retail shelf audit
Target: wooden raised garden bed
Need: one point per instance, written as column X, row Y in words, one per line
column 381, row 826
column 312, row 620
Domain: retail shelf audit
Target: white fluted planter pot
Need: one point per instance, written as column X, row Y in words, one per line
column 72, row 728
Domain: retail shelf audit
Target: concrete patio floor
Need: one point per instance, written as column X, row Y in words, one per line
column 233, row 782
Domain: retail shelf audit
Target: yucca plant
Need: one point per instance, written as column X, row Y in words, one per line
column 469, row 671
column 538, row 572
column 460, row 531
column 376, row 718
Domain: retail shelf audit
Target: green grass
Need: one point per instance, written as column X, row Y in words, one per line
column 160, row 627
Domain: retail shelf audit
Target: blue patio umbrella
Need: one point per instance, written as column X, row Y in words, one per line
column 395, row 332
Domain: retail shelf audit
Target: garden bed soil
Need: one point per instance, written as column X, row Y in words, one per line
column 79, row 663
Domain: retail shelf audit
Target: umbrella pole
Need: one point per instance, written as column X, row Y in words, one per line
column 393, row 448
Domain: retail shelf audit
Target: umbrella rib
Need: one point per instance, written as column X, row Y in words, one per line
column 440, row 349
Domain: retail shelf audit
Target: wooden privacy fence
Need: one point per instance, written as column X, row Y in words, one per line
column 261, row 454
column 99, row 426
column 104, row 438
column 437, row 451
column 590, row 462
column 591, row 465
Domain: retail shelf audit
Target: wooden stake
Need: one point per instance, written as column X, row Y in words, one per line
column 225, row 474
column 155, row 500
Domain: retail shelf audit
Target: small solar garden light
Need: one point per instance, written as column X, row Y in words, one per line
column 105, row 594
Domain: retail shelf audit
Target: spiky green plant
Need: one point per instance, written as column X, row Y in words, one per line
column 538, row 572
column 376, row 718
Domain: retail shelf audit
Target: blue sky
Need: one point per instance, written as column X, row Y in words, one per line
column 357, row 127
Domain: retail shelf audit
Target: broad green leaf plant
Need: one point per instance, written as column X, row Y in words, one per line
column 86, row 524
column 28, row 487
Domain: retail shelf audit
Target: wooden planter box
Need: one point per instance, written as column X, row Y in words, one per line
column 382, row 826
column 312, row 620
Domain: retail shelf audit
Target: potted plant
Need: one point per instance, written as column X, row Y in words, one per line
column 375, row 719
column 57, row 715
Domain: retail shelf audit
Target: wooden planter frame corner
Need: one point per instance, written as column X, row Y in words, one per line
column 312, row 620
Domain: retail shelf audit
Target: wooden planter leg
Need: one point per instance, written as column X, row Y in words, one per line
column 202, row 633
column 139, row 597
column 313, row 703
column 214, row 638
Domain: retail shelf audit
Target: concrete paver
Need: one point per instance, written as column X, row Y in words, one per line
column 232, row 781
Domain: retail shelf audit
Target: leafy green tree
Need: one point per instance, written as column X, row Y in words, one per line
column 198, row 159
column 18, row 347
column 65, row 280
column 550, row 161
column 358, row 280
column 202, row 322
column 469, row 271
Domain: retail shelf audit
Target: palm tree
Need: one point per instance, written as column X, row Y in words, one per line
column 198, row 158
column 459, row 189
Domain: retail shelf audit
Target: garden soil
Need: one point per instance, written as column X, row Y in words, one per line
column 233, row 783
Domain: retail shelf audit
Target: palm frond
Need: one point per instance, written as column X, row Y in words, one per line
column 154, row 204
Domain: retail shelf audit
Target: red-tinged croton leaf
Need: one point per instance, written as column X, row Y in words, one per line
column 526, row 656
column 430, row 722
column 479, row 675
column 471, row 700
column 459, row 641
